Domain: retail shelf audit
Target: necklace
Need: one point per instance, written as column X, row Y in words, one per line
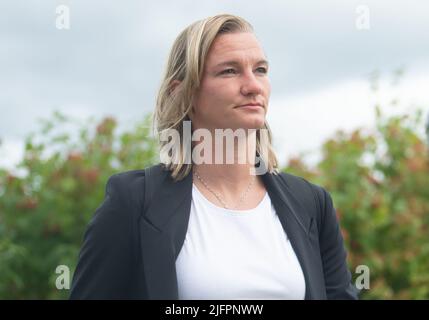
column 218, row 196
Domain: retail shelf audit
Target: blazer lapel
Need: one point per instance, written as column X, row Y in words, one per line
column 297, row 224
column 162, row 233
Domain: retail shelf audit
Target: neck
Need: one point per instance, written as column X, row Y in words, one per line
column 226, row 177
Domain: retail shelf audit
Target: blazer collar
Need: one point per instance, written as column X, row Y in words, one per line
column 163, row 231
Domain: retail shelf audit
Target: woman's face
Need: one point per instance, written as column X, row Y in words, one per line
column 235, row 74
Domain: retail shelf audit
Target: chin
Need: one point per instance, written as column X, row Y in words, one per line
column 255, row 124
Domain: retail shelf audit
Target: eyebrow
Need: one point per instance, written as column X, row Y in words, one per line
column 236, row 63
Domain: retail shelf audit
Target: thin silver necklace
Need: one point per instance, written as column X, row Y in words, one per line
column 219, row 197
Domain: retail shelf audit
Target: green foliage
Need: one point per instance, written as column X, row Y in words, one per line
column 44, row 214
column 379, row 182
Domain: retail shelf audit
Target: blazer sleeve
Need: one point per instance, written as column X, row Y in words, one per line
column 334, row 257
column 105, row 263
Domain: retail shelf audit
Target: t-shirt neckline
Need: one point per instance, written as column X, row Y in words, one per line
column 231, row 211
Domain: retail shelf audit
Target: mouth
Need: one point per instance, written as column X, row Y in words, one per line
column 251, row 106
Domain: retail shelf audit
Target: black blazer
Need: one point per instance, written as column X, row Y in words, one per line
column 130, row 255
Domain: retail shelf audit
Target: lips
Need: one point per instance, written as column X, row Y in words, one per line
column 251, row 105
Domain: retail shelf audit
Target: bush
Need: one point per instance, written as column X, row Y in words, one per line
column 380, row 187
column 44, row 214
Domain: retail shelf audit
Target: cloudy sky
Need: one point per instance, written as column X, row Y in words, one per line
column 110, row 61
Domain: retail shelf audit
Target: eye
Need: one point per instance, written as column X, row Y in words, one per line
column 262, row 69
column 228, row 71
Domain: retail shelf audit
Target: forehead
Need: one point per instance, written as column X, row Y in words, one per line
column 235, row 46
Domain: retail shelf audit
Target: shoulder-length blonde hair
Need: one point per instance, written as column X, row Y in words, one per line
column 186, row 64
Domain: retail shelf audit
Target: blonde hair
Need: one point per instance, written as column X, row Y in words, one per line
column 186, row 63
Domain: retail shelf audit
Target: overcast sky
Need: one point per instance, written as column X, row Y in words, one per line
column 111, row 59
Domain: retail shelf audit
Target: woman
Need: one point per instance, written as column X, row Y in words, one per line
column 197, row 226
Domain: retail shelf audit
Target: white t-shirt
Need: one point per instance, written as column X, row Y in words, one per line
column 237, row 254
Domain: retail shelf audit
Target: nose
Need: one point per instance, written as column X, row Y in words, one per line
column 251, row 85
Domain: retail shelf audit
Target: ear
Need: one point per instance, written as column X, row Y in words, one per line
column 173, row 85
column 191, row 112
